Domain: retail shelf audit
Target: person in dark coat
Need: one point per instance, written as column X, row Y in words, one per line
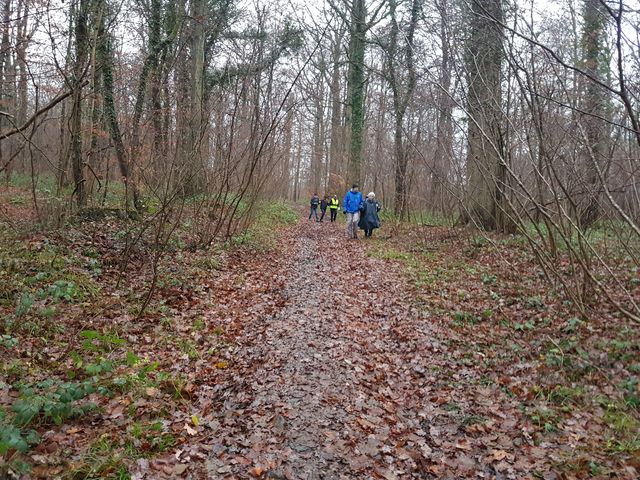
column 323, row 207
column 315, row 201
column 369, row 215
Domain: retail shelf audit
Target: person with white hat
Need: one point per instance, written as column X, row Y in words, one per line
column 369, row 218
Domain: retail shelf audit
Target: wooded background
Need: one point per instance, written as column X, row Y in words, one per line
column 515, row 116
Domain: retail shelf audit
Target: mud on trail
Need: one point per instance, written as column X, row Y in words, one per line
column 344, row 380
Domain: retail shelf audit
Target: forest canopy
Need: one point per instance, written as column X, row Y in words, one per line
column 504, row 115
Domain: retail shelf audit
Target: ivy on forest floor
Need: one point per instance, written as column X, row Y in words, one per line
column 78, row 356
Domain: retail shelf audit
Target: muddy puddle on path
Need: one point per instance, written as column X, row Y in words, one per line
column 337, row 384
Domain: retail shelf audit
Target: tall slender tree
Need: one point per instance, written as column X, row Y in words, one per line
column 595, row 64
column 105, row 60
column 336, row 134
column 80, row 67
column 4, row 61
column 486, row 171
column 354, row 112
column 444, row 125
column 402, row 78
column 359, row 22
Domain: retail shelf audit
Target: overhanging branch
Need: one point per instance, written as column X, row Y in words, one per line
column 33, row 117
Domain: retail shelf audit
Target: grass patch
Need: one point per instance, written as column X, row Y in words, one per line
column 103, row 460
column 44, row 183
column 261, row 234
column 107, row 457
column 412, row 263
column 622, row 419
column 545, row 418
column 148, row 439
column 418, row 218
column 563, row 395
column 46, row 186
column 465, row 319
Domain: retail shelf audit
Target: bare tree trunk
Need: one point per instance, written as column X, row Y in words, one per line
column 593, row 44
column 444, row 124
column 296, row 184
column 81, row 40
column 317, row 147
column 197, row 123
column 354, row 113
column 149, row 69
column 22, row 42
column 65, row 140
column 286, row 153
column 190, row 76
column 4, row 59
column 485, row 155
column 336, row 147
column 400, row 60
column 105, row 59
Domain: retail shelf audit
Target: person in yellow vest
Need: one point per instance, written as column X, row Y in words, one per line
column 334, row 204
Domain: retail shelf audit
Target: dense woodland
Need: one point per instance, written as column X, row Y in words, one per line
column 504, row 115
column 500, row 123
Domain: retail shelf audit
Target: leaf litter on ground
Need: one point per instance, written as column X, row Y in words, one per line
column 407, row 357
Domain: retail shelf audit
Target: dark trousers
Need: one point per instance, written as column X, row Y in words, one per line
column 322, row 213
column 334, row 214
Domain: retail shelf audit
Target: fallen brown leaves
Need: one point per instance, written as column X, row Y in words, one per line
column 545, row 391
column 319, row 359
column 158, row 412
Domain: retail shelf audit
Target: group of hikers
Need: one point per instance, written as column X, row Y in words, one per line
column 361, row 212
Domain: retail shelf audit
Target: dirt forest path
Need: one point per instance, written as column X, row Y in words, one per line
column 323, row 383
column 338, row 382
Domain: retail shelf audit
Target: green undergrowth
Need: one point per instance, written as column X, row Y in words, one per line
column 65, row 336
column 109, row 194
column 261, row 234
column 35, row 281
column 59, row 371
column 44, row 399
column 478, row 300
column 44, row 183
column 605, row 236
column 412, row 262
column 418, row 218
column 102, row 366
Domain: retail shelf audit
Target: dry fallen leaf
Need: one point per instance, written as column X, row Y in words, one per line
column 180, row 468
column 256, row 471
column 463, row 445
column 498, row 455
column 151, row 391
column 117, row 411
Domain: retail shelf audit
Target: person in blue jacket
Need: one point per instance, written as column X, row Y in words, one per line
column 351, row 207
